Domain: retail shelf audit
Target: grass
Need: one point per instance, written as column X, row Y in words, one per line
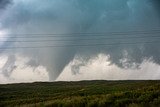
column 81, row 94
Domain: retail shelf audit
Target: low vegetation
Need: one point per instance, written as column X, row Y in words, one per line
column 81, row 94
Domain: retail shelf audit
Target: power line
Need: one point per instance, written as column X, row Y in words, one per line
column 81, row 34
column 102, row 35
column 81, row 45
column 117, row 32
column 104, row 38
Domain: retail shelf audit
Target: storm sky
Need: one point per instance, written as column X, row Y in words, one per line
column 47, row 40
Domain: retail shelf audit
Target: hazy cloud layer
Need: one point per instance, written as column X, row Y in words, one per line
column 69, row 16
column 100, row 68
column 19, row 71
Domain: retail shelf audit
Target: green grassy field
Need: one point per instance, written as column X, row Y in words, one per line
column 81, row 94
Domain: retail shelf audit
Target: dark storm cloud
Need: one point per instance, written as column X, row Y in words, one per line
column 157, row 5
column 4, row 3
column 62, row 16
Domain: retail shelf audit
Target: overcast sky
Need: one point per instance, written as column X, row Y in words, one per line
column 120, row 38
